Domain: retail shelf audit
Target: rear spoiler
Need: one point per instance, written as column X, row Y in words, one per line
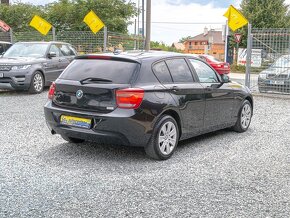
column 108, row 57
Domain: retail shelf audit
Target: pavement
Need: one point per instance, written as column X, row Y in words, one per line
column 240, row 78
column 222, row 174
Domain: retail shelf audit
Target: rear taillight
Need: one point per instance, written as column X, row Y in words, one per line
column 130, row 98
column 51, row 91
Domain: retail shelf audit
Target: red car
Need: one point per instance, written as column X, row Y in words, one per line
column 219, row 66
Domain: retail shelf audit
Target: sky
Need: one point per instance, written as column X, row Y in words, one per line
column 199, row 13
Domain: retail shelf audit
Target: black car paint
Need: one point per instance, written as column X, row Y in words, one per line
column 198, row 108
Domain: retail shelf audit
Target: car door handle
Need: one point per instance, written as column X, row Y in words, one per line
column 175, row 88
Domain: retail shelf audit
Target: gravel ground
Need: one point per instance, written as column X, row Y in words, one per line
column 223, row 174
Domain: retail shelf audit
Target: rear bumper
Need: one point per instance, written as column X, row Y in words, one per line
column 121, row 126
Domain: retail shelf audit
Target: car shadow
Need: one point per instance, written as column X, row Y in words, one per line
column 8, row 92
column 92, row 153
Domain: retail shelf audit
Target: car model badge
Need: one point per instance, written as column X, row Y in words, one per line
column 79, row 94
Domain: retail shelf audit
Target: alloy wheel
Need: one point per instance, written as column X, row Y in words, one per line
column 37, row 82
column 246, row 116
column 167, row 138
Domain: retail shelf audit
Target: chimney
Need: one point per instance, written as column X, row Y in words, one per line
column 205, row 31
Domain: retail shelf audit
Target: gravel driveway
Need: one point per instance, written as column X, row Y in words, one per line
column 223, row 174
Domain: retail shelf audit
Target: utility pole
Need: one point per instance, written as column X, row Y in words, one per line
column 148, row 25
column 143, row 21
column 138, row 24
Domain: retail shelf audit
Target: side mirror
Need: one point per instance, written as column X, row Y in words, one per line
column 51, row 55
column 225, row 78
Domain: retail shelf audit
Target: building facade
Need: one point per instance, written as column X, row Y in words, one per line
column 210, row 42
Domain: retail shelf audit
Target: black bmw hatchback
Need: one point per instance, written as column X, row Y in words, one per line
column 152, row 99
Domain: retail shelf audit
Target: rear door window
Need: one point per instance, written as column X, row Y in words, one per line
column 162, row 73
column 118, row 72
column 179, row 70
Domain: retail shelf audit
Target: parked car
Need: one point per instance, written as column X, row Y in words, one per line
column 4, row 47
column 152, row 100
column 276, row 77
column 33, row 65
column 220, row 66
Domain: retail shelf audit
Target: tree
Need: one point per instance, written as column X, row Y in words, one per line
column 264, row 14
column 69, row 14
column 183, row 39
column 154, row 45
column 18, row 16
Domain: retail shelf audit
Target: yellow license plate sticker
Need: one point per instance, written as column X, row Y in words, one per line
column 75, row 121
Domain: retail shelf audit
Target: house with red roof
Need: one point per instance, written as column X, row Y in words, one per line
column 209, row 42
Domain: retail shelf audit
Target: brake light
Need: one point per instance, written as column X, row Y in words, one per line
column 51, row 91
column 102, row 57
column 130, row 98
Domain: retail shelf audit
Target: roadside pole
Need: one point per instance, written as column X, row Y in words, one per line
column 11, row 35
column 105, row 38
column 148, row 25
column 53, row 34
column 226, row 41
column 138, row 25
column 135, row 35
column 143, row 26
column 249, row 59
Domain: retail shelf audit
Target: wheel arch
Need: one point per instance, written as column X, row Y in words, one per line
column 42, row 73
column 250, row 99
column 177, row 118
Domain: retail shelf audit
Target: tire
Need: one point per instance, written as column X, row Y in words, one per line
column 72, row 140
column 37, row 83
column 244, row 117
column 165, row 129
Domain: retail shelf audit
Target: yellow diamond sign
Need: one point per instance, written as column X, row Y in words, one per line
column 94, row 22
column 236, row 19
column 40, row 24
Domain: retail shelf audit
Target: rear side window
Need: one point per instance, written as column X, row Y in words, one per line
column 56, row 50
column 66, row 50
column 162, row 73
column 118, row 72
column 180, row 71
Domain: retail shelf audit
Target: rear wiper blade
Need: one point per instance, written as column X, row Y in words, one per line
column 95, row 80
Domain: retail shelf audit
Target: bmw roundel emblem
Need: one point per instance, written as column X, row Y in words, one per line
column 79, row 94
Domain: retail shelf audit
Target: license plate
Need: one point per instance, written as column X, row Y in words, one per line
column 274, row 82
column 76, row 121
column 1, row 75
column 226, row 67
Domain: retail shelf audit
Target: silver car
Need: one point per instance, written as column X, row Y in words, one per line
column 276, row 77
column 33, row 65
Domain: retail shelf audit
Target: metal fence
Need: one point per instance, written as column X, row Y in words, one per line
column 270, row 60
column 83, row 41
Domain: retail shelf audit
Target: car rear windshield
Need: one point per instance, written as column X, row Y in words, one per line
column 118, row 72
